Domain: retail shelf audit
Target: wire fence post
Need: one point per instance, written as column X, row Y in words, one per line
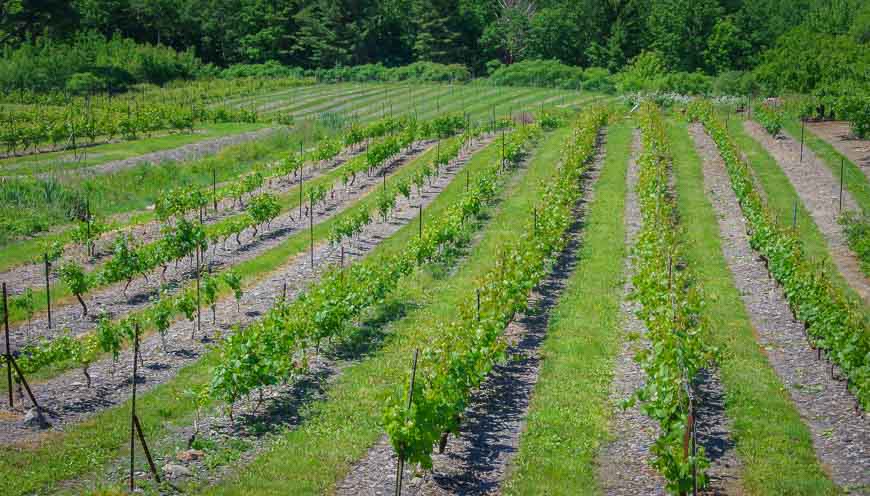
column 136, row 426
column 198, row 289
column 88, row 226
column 301, row 177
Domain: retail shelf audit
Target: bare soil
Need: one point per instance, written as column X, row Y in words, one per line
column 839, row 135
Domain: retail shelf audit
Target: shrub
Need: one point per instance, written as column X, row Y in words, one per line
column 269, row 69
column 549, row 73
column 598, row 79
column 735, row 83
column 113, row 63
column 82, row 83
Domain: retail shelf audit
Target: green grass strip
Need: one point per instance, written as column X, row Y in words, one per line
column 774, row 445
column 100, row 154
column 782, row 198
column 570, row 410
column 340, row 430
column 86, row 447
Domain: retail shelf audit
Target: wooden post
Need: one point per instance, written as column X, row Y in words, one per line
column 842, row 176
column 794, row 216
column 535, row 220
column 502, row 149
column 214, row 188
column 47, row 288
column 198, row 310
column 88, row 226
column 311, row 230
column 803, row 125
column 133, row 410
column 421, row 218
column 478, row 305
column 401, row 465
column 8, row 349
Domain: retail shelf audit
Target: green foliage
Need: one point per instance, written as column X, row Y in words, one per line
column 75, row 278
column 418, row 71
column 677, row 28
column 84, row 83
column 90, row 61
column 856, row 227
column 274, row 348
column 833, row 321
column 735, row 83
column 648, row 72
column 803, row 60
column 770, row 118
column 546, row 73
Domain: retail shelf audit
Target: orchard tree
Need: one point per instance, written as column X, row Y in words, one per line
column 509, row 34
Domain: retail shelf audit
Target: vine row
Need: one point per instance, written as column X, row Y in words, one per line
column 464, row 351
column 671, row 311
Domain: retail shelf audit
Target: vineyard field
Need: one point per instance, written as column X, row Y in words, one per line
column 283, row 285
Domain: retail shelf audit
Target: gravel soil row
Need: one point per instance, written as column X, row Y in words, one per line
column 819, row 190
column 68, row 400
column 624, row 463
column 841, row 436
column 839, row 135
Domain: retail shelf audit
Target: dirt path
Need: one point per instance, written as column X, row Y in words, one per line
column 32, row 275
column 475, row 462
column 68, row 400
column 839, row 135
column 841, row 437
column 111, row 300
column 624, row 463
column 819, row 192
column 190, row 151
